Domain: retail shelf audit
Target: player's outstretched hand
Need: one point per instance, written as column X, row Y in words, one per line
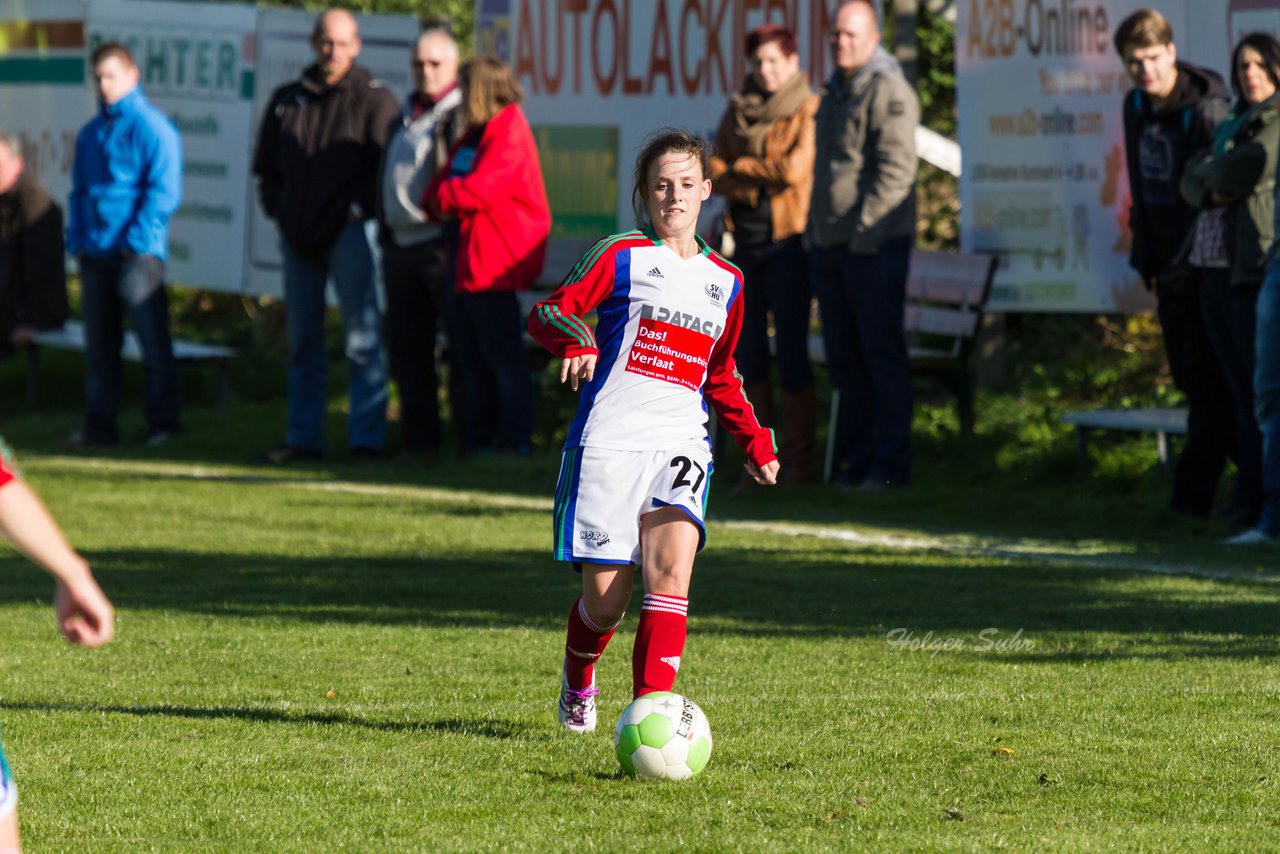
column 578, row 369
column 84, row 613
column 766, row 475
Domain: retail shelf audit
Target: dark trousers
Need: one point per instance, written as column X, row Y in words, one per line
column 115, row 286
column 1230, row 319
column 862, row 299
column 776, row 278
column 493, row 392
column 415, row 278
column 1211, row 428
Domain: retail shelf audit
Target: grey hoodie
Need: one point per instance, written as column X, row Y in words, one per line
column 864, row 174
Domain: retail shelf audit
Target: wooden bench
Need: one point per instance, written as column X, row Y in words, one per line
column 1162, row 422
column 946, row 295
column 71, row 337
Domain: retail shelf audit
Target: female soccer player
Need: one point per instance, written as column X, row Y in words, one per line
column 637, row 462
column 84, row 613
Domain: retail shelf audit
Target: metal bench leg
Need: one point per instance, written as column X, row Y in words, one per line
column 224, row 384
column 1162, row 447
column 833, row 427
column 33, row 375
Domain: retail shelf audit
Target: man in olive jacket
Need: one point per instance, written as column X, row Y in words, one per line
column 861, row 230
column 317, row 160
column 33, row 278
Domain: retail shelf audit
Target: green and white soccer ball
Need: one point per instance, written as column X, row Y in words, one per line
column 663, row 736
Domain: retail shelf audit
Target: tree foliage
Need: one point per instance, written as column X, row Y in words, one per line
column 460, row 14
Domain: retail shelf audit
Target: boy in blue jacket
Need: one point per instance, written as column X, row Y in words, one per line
column 126, row 183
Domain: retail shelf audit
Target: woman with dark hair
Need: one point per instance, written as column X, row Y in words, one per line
column 637, row 461
column 492, row 186
column 1234, row 185
column 763, row 166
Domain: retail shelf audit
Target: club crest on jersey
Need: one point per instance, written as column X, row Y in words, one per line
column 680, row 318
column 715, row 292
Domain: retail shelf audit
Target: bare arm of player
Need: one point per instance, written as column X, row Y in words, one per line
column 85, row 615
column 578, row 368
column 765, row 475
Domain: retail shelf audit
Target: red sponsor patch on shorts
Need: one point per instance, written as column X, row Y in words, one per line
column 671, row 353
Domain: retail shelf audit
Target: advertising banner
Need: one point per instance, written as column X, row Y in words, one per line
column 43, row 95
column 283, row 51
column 1045, row 183
column 196, row 64
column 601, row 75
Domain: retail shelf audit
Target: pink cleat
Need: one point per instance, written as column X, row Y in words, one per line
column 577, row 709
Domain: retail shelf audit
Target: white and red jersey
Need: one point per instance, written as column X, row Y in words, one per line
column 6, row 463
column 666, row 328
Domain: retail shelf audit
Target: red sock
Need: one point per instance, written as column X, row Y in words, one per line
column 659, row 643
column 583, row 645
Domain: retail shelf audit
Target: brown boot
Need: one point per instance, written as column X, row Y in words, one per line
column 761, row 397
column 796, row 442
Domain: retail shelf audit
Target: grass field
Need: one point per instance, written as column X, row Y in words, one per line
column 841, row 645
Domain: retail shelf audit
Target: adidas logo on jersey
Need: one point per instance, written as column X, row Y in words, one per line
column 672, row 661
column 655, row 273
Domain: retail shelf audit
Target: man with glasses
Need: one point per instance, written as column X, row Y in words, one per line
column 414, row 253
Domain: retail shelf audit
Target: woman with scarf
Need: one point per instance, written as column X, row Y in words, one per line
column 1234, row 185
column 763, row 166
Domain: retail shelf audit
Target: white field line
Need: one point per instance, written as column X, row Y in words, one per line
column 1091, row 556
column 257, row 477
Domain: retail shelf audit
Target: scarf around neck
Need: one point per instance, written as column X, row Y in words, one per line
column 754, row 111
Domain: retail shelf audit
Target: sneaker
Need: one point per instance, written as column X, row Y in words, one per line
column 577, row 709
column 283, row 454
column 82, row 439
column 1251, row 537
column 156, row 438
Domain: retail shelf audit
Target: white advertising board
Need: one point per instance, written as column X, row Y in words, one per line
column 1045, row 184
column 283, row 51
column 43, row 95
column 195, row 62
column 600, row 75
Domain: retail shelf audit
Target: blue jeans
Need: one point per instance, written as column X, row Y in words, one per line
column 862, row 299
column 113, row 286
column 493, row 381
column 776, row 280
column 349, row 263
column 1266, row 389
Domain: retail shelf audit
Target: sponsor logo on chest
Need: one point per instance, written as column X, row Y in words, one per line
column 685, row 319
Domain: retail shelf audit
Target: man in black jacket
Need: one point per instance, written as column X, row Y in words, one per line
column 33, row 280
column 319, row 150
column 1170, row 114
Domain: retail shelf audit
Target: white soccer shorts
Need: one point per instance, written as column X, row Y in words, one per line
column 602, row 494
column 8, row 789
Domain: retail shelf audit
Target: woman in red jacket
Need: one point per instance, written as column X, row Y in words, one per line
column 493, row 188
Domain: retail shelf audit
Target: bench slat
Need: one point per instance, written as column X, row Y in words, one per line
column 71, row 337
column 927, row 320
column 1133, row 420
